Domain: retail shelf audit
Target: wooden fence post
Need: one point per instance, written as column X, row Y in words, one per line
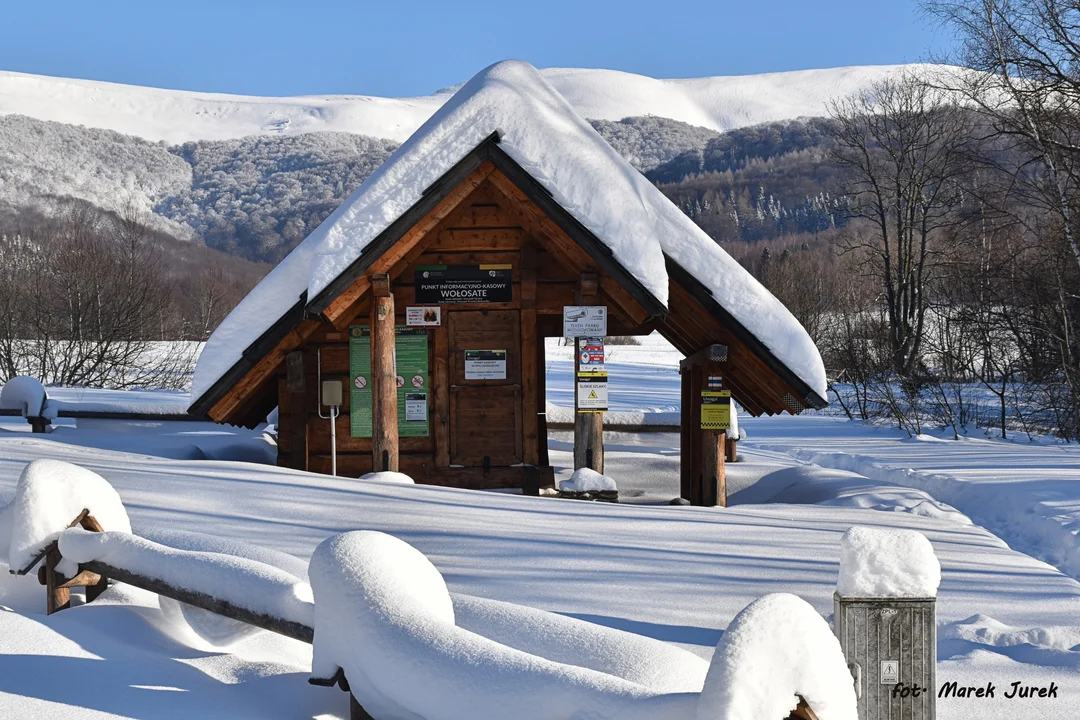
column 57, row 596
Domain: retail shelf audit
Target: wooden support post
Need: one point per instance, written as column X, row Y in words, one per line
column 384, row 410
column 732, row 452
column 38, row 424
column 588, row 427
column 58, row 596
column 296, row 422
column 543, row 459
column 702, row 474
column 713, row 472
column 529, row 409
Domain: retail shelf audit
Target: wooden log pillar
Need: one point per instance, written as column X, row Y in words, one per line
column 39, row 424
column 703, row 477
column 384, row 410
column 732, row 452
column 529, row 408
column 714, row 474
column 588, row 427
column 295, row 421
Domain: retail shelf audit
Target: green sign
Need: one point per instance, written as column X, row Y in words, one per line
column 411, row 366
column 360, row 381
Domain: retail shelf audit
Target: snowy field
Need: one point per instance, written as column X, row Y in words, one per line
column 1000, row 517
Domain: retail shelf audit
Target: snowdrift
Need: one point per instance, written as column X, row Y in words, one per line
column 383, row 615
column 410, row 650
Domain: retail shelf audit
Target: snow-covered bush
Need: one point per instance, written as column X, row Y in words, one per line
column 49, row 495
column 383, row 615
column 887, row 562
column 775, row 649
column 587, row 480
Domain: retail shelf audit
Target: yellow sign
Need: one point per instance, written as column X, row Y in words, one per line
column 715, row 409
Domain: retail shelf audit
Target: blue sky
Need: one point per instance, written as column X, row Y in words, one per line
column 412, row 48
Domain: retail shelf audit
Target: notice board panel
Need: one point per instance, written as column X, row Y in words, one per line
column 413, row 380
column 449, row 284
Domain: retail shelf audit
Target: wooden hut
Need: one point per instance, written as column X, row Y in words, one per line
column 430, row 291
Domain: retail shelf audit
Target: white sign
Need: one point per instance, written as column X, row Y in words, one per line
column 591, row 357
column 584, row 320
column 890, row 672
column 415, row 407
column 423, row 316
column 485, row 364
column 592, row 395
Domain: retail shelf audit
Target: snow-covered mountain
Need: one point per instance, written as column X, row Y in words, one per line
column 253, row 175
column 174, row 116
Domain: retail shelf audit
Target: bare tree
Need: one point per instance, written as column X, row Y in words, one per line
column 903, row 145
column 88, row 293
column 1022, row 59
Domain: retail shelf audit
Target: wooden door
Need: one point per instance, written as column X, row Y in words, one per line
column 485, row 401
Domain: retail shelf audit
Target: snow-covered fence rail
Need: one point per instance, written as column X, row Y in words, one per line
column 114, row 415
column 204, row 601
column 238, row 588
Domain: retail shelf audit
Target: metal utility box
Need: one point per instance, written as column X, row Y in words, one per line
column 891, row 647
column 331, row 393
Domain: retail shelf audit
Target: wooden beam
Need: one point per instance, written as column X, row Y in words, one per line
column 384, row 410
column 708, row 354
column 266, row 366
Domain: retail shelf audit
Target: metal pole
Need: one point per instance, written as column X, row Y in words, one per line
column 333, row 440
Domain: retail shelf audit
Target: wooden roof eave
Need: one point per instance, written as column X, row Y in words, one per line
column 803, row 395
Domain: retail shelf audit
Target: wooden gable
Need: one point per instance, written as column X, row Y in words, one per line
column 487, row 209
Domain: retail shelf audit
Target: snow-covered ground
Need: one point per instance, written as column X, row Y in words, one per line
column 678, row 574
column 174, row 116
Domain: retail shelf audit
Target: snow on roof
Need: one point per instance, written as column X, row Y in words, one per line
column 540, row 131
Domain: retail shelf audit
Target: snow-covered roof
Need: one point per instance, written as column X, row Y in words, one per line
column 541, row 132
